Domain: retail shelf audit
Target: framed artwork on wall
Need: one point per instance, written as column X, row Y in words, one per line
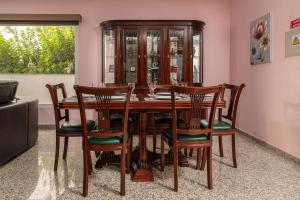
column 260, row 40
column 292, row 43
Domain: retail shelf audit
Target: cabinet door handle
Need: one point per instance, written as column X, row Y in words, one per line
column 168, row 55
column 139, row 56
column 191, row 55
column 145, row 56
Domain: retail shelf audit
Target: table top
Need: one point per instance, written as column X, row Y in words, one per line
column 142, row 102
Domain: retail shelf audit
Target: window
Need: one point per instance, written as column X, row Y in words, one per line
column 36, row 49
column 36, row 55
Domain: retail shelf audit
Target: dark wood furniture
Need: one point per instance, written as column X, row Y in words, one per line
column 161, row 120
column 18, row 127
column 141, row 51
column 225, row 125
column 143, row 170
column 193, row 135
column 164, row 120
column 105, row 138
column 64, row 126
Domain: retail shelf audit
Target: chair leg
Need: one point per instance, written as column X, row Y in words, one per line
column 234, row 151
column 154, row 143
column 209, row 168
column 90, row 164
column 65, row 148
column 221, row 146
column 204, row 158
column 162, row 154
column 123, row 163
column 128, row 159
column 185, row 152
column 175, row 163
column 85, row 172
column 199, row 154
column 56, row 152
column 191, row 152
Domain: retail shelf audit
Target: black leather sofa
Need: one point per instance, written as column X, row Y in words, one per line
column 18, row 127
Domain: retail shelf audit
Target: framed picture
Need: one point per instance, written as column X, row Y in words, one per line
column 260, row 40
column 292, row 43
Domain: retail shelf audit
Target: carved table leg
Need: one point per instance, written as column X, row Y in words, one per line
column 142, row 171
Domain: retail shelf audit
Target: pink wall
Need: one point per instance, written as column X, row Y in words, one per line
column 270, row 105
column 216, row 14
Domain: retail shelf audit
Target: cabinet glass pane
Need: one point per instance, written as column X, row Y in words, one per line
column 109, row 56
column 196, row 58
column 153, row 55
column 176, row 55
column 131, row 55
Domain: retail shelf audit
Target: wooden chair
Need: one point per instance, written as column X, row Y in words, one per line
column 161, row 120
column 225, row 125
column 64, row 126
column 193, row 135
column 104, row 138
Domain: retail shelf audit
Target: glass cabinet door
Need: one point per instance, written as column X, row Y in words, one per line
column 153, row 55
column 131, row 55
column 109, row 56
column 197, row 58
column 176, row 55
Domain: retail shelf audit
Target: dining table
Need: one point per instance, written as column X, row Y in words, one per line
column 143, row 105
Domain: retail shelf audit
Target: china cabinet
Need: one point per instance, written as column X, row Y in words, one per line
column 141, row 51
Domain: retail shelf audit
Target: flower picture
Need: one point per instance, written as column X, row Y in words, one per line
column 260, row 40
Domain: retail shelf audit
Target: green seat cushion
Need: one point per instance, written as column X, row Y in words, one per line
column 218, row 125
column 165, row 119
column 116, row 118
column 106, row 139
column 75, row 126
column 185, row 138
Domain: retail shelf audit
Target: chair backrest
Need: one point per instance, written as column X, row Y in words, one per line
column 234, row 96
column 54, row 93
column 197, row 97
column 103, row 97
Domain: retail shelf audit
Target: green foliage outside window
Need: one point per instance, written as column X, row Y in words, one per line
column 37, row 49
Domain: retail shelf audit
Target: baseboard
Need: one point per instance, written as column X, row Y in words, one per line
column 270, row 146
column 46, row 126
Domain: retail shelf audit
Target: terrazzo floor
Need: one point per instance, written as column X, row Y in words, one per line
column 262, row 173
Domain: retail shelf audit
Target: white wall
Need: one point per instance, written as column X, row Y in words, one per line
column 34, row 85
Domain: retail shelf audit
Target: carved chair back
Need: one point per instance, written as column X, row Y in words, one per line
column 196, row 96
column 56, row 91
column 103, row 97
column 234, row 96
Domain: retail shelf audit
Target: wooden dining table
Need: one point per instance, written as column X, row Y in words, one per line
column 143, row 105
